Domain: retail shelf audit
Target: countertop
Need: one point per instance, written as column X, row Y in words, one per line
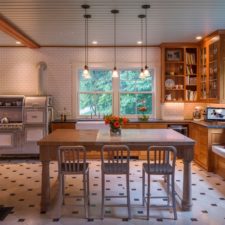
column 67, row 121
column 208, row 124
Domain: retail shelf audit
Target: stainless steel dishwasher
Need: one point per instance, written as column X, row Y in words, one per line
column 181, row 128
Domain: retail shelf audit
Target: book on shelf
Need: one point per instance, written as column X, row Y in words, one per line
column 191, row 80
column 190, row 58
column 189, row 70
column 191, row 95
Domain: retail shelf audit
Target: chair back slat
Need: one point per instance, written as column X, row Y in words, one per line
column 72, row 158
column 163, row 158
column 115, row 155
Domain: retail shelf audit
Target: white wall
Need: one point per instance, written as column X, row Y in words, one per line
column 19, row 71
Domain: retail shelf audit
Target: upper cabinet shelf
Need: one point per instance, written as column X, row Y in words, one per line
column 179, row 72
column 11, row 102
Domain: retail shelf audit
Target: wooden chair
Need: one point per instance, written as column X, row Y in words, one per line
column 163, row 163
column 115, row 161
column 71, row 161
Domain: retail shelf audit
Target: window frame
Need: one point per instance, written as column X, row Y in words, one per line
column 115, row 93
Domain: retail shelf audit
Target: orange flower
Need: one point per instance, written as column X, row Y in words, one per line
column 116, row 124
column 142, row 109
column 125, row 120
column 115, row 121
column 107, row 121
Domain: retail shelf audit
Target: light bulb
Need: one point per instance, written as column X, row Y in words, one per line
column 142, row 75
column 86, row 73
column 115, row 73
column 146, row 72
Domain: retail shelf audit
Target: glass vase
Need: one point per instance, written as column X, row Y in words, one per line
column 143, row 118
column 115, row 131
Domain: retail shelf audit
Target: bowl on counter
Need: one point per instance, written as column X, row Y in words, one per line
column 8, row 104
column 18, row 103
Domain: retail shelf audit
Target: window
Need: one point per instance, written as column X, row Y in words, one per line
column 95, row 94
column 135, row 92
column 102, row 95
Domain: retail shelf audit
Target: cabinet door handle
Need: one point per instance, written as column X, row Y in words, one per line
column 34, row 117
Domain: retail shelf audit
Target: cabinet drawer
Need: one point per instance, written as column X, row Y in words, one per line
column 34, row 134
column 34, row 116
column 62, row 125
column 7, row 140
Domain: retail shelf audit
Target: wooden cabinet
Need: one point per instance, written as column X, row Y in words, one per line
column 179, row 73
column 145, row 126
column 205, row 137
column 200, row 135
column 63, row 125
column 212, row 68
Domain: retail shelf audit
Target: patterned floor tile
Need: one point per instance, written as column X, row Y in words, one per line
column 20, row 188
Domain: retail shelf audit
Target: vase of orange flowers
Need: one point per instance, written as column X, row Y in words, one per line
column 115, row 123
column 143, row 117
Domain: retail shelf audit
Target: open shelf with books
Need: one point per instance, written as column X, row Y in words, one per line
column 174, row 74
column 191, row 76
column 179, row 73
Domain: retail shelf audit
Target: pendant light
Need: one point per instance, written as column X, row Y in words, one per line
column 86, row 73
column 146, row 70
column 141, row 75
column 115, row 72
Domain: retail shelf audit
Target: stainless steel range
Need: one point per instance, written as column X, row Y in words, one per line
column 11, row 126
column 24, row 121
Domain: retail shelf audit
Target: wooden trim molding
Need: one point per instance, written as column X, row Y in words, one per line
column 11, row 30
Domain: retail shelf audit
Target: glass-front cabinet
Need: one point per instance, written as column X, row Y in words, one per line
column 212, row 69
column 203, row 74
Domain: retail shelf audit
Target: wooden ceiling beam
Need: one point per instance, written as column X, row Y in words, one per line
column 14, row 32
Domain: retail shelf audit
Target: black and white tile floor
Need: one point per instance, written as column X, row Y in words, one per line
column 20, row 183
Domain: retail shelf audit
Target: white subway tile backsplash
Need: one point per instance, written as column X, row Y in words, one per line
column 19, row 70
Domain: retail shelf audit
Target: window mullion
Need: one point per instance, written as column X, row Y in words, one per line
column 115, row 102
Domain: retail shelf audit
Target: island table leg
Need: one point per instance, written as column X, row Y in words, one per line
column 45, row 186
column 187, row 199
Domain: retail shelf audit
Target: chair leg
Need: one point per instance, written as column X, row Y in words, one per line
column 103, row 197
column 148, row 196
column 63, row 189
column 85, row 194
column 168, row 188
column 173, row 198
column 88, row 189
column 59, row 198
column 128, row 196
column 143, row 187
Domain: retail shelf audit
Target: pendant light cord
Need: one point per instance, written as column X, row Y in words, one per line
column 87, row 41
column 114, row 40
column 142, row 42
column 146, row 32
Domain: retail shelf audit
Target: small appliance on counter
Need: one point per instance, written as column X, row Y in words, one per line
column 215, row 114
column 197, row 114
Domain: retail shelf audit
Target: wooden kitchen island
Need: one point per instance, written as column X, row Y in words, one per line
column 136, row 139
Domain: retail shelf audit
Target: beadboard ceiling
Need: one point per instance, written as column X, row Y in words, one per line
column 61, row 23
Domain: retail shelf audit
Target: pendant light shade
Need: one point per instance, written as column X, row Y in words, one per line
column 115, row 73
column 146, row 70
column 86, row 73
column 141, row 75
